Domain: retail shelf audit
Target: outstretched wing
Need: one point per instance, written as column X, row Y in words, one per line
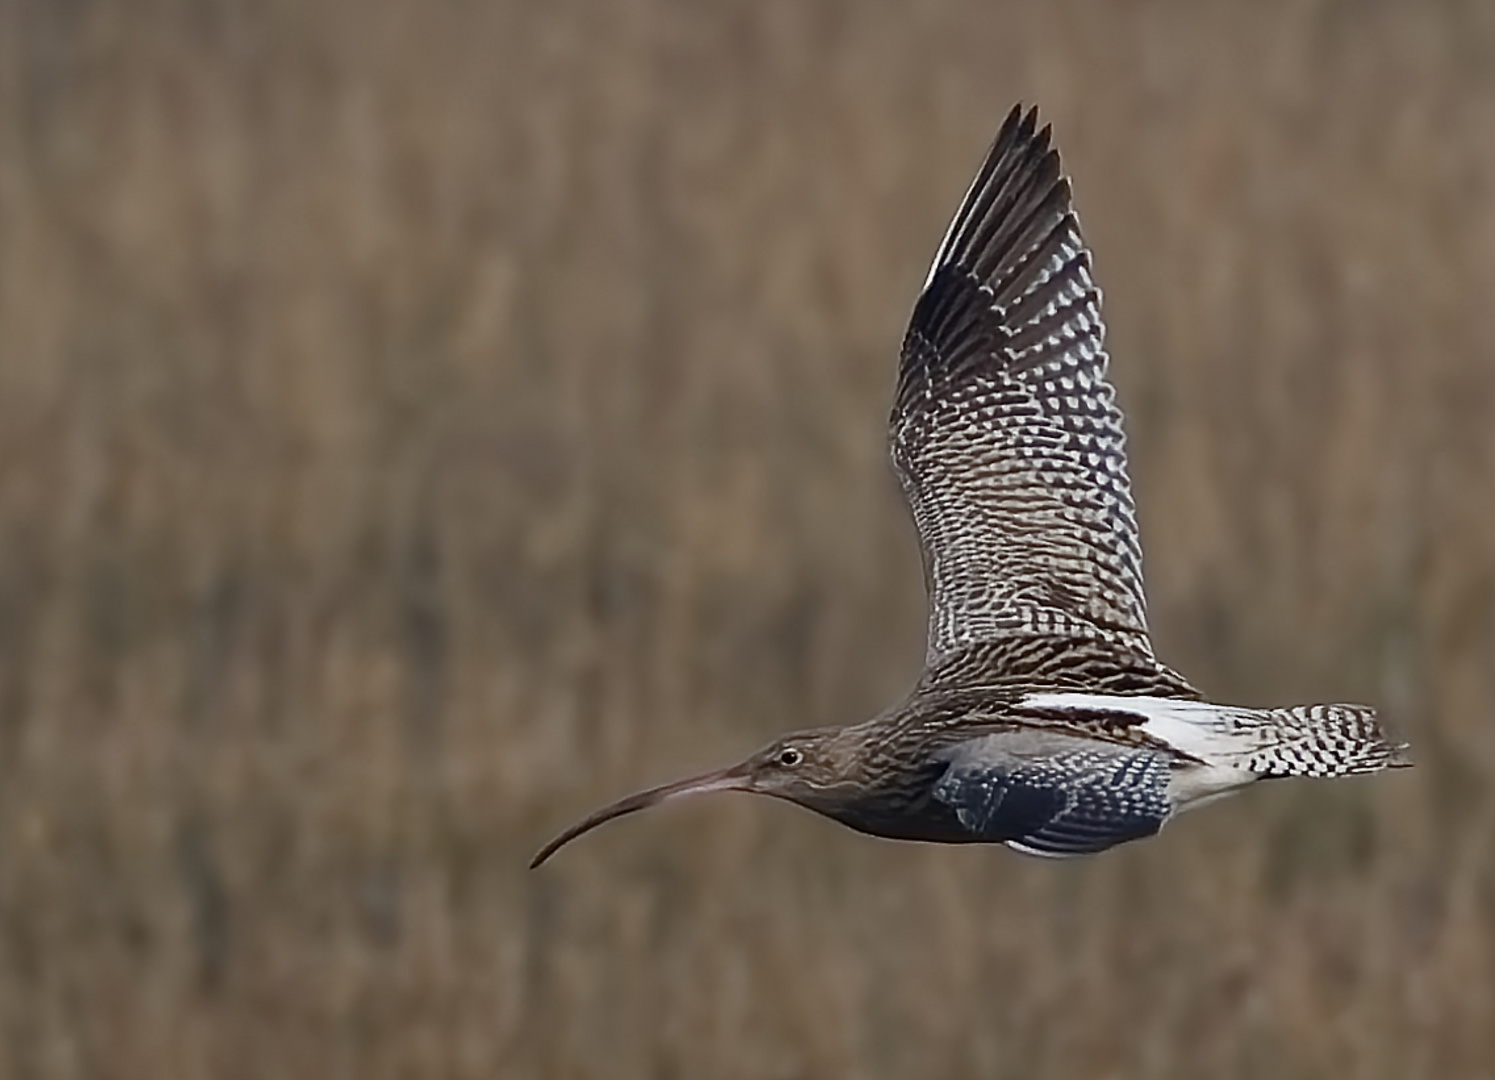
column 1005, row 432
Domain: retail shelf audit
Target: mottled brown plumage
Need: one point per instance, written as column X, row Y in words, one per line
column 1042, row 721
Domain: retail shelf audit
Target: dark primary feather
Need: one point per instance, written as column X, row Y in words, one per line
column 1005, row 432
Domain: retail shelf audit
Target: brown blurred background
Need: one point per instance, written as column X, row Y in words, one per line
column 420, row 421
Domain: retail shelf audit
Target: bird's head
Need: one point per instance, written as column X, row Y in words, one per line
column 805, row 767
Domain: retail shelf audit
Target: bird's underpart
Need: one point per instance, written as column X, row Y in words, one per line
column 1043, row 720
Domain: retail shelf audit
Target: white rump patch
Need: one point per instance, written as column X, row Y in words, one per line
column 1213, row 733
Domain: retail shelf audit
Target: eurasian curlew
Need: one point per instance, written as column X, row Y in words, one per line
column 1043, row 720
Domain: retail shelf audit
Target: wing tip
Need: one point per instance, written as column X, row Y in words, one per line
column 1021, row 172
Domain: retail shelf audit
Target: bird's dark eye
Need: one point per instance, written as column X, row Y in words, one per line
column 790, row 757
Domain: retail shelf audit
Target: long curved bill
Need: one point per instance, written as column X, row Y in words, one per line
column 732, row 778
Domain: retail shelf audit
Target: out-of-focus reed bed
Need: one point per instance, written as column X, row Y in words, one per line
column 420, row 421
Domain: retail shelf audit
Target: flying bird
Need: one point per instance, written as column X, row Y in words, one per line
column 1042, row 720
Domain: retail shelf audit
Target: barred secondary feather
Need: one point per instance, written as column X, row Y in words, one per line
column 1043, row 719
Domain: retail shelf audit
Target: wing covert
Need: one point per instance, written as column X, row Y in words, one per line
column 1056, row 795
column 1005, row 432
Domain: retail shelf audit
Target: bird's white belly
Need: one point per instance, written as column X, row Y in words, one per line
column 1194, row 785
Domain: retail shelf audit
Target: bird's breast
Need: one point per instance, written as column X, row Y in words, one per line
column 902, row 815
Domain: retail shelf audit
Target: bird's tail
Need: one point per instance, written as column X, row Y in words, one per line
column 1323, row 740
column 1307, row 740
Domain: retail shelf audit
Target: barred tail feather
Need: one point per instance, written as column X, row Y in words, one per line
column 1326, row 740
column 1307, row 740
